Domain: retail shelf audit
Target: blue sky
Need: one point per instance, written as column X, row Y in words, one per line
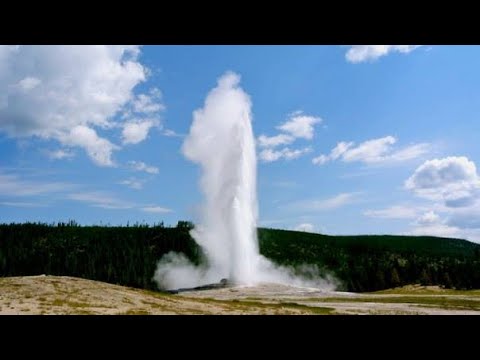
column 362, row 139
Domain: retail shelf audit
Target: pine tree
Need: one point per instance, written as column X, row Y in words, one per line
column 425, row 278
column 394, row 278
column 447, row 282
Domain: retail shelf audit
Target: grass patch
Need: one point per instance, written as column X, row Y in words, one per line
column 317, row 310
column 71, row 304
column 426, row 291
column 135, row 312
column 443, row 302
column 57, row 302
column 266, row 307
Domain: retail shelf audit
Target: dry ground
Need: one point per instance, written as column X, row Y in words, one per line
column 68, row 295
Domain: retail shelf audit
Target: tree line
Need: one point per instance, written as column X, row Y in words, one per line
column 128, row 255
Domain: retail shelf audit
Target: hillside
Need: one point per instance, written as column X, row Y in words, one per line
column 128, row 255
column 50, row 295
column 375, row 262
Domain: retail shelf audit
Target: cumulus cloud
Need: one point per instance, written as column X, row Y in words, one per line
column 375, row 151
column 149, row 104
column 136, row 131
column 141, row 166
column 431, row 224
column 270, row 155
column 454, row 180
column 393, row 212
column 60, row 154
column 273, row 141
column 428, row 218
column 297, row 126
column 156, row 209
column 133, row 183
column 362, row 53
column 59, row 92
column 98, row 149
column 451, row 186
column 437, row 229
column 305, row 227
column 300, row 126
column 336, row 152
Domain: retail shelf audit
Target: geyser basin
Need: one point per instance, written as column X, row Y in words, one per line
column 221, row 141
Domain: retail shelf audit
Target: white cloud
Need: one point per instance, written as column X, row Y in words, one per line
column 297, row 126
column 459, row 223
column 60, row 154
column 13, row 185
column 141, row 166
column 334, row 202
column 369, row 151
column 428, row 218
column 57, row 92
column 133, row 183
column 305, row 227
column 21, row 204
column 110, row 201
column 375, row 151
column 29, row 83
column 452, row 184
column 437, row 229
column 336, row 152
column 430, row 224
column 149, row 104
column 98, row 149
column 156, row 209
column 361, row 53
column 273, row 141
column 393, row 212
column 320, row 160
column 171, row 133
column 409, row 152
column 454, row 180
column 135, row 131
column 270, row 155
column 300, row 126
column 101, row 200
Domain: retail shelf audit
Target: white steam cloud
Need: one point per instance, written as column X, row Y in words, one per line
column 221, row 141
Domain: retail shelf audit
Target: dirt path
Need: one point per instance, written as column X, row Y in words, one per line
column 421, row 301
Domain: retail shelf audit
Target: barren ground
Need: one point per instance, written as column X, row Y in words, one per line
column 68, row 295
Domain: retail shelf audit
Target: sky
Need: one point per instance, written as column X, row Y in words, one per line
column 363, row 139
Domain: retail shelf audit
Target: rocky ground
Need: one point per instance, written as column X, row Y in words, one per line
column 68, row 295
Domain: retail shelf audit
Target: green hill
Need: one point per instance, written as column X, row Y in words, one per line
column 374, row 262
column 128, row 255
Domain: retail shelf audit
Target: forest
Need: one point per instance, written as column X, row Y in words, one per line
column 128, row 255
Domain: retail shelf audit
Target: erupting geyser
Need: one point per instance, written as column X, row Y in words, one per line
column 221, row 141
